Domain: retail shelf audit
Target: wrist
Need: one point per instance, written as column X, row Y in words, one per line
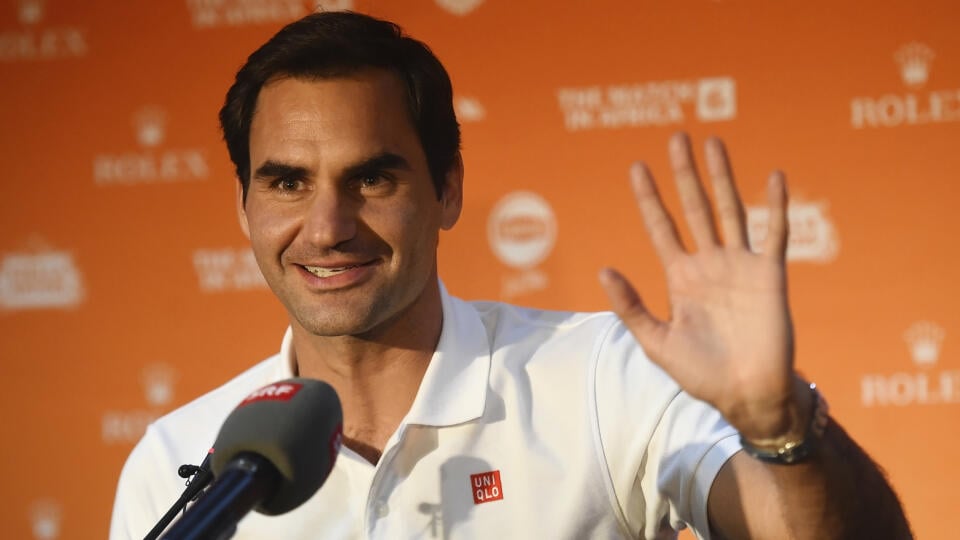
column 787, row 420
column 807, row 419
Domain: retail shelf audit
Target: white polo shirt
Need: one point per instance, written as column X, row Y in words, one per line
column 528, row 424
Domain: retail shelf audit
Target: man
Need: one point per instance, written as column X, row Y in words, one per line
column 587, row 425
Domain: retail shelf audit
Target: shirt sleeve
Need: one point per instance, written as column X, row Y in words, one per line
column 662, row 448
column 133, row 504
column 148, row 487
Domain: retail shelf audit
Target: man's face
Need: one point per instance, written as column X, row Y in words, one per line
column 341, row 210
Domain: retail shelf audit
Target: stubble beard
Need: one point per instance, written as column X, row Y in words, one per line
column 362, row 313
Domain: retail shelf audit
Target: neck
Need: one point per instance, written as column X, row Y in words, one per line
column 376, row 375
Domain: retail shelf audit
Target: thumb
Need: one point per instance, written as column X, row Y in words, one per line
column 627, row 304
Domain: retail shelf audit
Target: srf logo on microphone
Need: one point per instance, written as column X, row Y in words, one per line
column 273, row 392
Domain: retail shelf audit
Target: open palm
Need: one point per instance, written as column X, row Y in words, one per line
column 729, row 338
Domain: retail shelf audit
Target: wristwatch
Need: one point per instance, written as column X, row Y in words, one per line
column 786, row 451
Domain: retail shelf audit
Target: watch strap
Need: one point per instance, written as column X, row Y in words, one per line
column 788, row 452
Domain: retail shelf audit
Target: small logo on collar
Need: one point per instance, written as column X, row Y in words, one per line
column 486, row 487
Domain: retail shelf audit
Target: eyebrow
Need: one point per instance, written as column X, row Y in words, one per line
column 276, row 169
column 379, row 162
column 370, row 165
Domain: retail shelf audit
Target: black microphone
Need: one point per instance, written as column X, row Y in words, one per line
column 273, row 453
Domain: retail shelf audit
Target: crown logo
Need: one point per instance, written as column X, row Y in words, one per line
column 150, row 124
column 924, row 339
column 333, row 5
column 914, row 59
column 45, row 515
column 158, row 384
column 30, row 11
column 459, row 7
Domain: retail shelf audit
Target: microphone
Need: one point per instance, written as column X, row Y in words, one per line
column 273, row 452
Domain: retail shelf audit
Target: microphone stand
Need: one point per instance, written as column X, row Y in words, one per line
column 242, row 485
column 202, row 476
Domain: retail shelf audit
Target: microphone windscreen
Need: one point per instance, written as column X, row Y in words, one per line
column 296, row 425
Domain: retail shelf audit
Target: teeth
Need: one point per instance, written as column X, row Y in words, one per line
column 320, row 271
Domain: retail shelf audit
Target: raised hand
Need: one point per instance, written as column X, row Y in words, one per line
column 729, row 338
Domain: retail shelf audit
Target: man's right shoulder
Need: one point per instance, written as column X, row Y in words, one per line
column 149, row 482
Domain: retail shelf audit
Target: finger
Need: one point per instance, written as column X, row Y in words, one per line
column 729, row 205
column 626, row 303
column 778, row 227
column 659, row 224
column 696, row 206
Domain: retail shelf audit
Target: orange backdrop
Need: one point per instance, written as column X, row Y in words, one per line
column 127, row 289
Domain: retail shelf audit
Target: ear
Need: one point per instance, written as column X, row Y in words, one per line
column 242, row 211
column 452, row 198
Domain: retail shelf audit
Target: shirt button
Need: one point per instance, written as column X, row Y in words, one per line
column 380, row 509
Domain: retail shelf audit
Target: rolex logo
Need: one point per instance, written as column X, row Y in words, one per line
column 155, row 161
column 924, row 339
column 36, row 41
column 914, row 59
column 927, row 385
column 150, row 123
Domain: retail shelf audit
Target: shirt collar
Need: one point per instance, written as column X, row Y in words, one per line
column 454, row 387
column 287, row 367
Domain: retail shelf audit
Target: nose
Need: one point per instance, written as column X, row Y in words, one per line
column 331, row 218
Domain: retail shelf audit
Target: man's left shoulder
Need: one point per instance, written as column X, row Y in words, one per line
column 575, row 330
column 500, row 313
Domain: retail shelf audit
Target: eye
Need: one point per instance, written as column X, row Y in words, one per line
column 370, row 180
column 373, row 182
column 288, row 184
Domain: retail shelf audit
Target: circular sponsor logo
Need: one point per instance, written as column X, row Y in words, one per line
column 522, row 229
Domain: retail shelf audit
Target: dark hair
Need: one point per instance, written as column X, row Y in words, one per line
column 336, row 43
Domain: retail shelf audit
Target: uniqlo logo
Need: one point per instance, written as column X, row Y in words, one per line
column 486, row 487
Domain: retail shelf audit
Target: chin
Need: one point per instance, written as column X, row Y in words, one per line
column 338, row 326
column 327, row 329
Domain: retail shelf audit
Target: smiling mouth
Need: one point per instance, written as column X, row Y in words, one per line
column 323, row 272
